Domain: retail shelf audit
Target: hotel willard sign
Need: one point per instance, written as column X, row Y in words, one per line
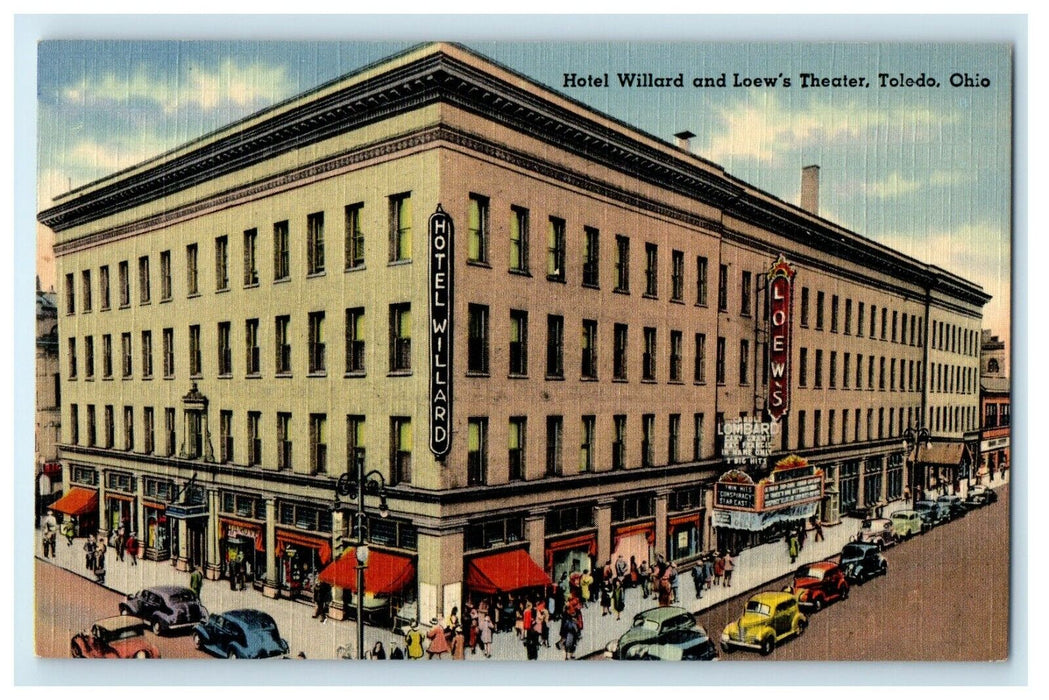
column 781, row 310
column 441, row 230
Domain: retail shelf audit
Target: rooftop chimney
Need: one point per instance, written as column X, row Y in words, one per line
column 681, row 140
column 810, row 189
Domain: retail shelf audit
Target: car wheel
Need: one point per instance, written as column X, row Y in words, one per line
column 799, row 627
column 817, row 604
column 726, row 649
column 881, row 545
column 158, row 627
column 124, row 610
column 232, row 654
column 75, row 652
column 845, row 593
column 198, row 643
column 884, row 568
column 141, row 654
column 767, row 645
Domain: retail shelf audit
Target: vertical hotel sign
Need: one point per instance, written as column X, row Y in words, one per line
column 441, row 236
column 781, row 298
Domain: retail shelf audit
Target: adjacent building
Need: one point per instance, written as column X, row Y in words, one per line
column 47, row 470
column 247, row 318
column 995, row 406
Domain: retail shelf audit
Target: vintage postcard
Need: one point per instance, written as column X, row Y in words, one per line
column 523, row 351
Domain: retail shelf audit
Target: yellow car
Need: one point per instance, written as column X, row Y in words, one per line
column 768, row 619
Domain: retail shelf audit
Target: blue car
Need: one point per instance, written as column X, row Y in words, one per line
column 239, row 634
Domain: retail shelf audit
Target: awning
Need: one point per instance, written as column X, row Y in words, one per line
column 945, row 453
column 286, row 537
column 386, row 572
column 504, row 572
column 77, row 502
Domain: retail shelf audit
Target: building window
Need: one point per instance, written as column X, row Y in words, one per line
column 225, row 436
column 192, row 276
column 819, row 310
column 701, row 281
column 107, row 427
column 355, row 341
column 400, row 227
column 492, row 533
column 400, row 337
column 516, row 447
column 103, row 287
column 859, row 319
column 804, row 320
column 107, row 358
column 555, row 250
column 555, row 345
column 819, row 369
column 885, row 324
column 881, row 374
column 648, row 359
column 870, row 373
column 89, row 357
column 169, row 352
column 675, row 356
column 477, row 230
column 70, row 294
column 284, row 441
column 147, row 429
column 803, row 367
column 569, row 519
column 723, row 288
column 283, row 345
column 846, row 370
column 697, row 436
column 801, row 430
column 251, row 265
column 225, row 352
column 834, row 314
column 591, row 257
column 619, row 442
column 317, row 343
column 518, row 343
column 744, row 361
column 648, row 444
column 254, row 440
column 125, row 355
column 86, row 290
column 745, row 288
column 651, row 270
column 91, row 441
column 586, row 444
column 355, row 446
column 129, row 428
column 518, row 239
column 848, row 316
column 195, row 363
column 147, row 354
column 554, row 439
column 833, row 380
column 125, row 284
column 622, row 264
column 589, row 349
column 619, row 351
column 221, row 263
column 677, row 275
column 194, row 434
column 674, row 439
column 354, row 237
column 699, row 368
column 401, row 448
column 817, row 427
column 143, row 280
column 281, row 252
column 318, row 443
column 165, row 277
column 251, row 347
column 169, row 431
column 477, row 347
column 719, row 368
column 315, row 243
column 874, row 321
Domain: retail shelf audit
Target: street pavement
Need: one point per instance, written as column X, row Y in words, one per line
column 754, row 568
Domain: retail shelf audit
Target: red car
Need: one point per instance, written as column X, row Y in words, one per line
column 820, row 583
column 114, row 638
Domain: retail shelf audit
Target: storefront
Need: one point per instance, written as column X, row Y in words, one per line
column 944, row 463
column 81, row 505
column 566, row 555
column 120, row 502
column 685, row 536
column 300, row 558
column 389, row 585
column 243, row 543
column 157, row 536
column 634, row 542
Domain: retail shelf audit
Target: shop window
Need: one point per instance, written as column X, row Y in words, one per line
column 648, row 358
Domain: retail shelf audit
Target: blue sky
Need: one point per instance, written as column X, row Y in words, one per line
column 924, row 170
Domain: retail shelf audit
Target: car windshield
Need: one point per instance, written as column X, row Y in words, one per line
column 899, row 516
column 183, row 597
column 810, row 572
column 867, row 523
column 852, row 552
column 646, row 623
column 754, row 606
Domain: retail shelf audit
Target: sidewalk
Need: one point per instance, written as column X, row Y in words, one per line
column 754, row 568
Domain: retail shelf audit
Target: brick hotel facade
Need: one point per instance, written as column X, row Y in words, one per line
column 242, row 316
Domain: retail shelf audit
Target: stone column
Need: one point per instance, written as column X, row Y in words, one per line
column 535, row 533
column 212, row 565
column 440, row 573
column 103, row 515
column 182, row 557
column 270, row 588
column 336, row 609
column 661, row 523
column 603, row 522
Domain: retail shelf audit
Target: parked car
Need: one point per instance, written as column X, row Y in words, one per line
column 768, row 618
column 684, row 644
column 861, row 561
column 239, row 634
column 932, row 512
column 877, row 531
column 114, row 638
column 906, row 524
column 651, row 626
column 955, row 506
column 819, row 583
column 165, row 607
column 980, row 495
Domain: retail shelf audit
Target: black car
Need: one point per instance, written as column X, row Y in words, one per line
column 240, row 634
column 933, row 513
column 980, row 496
column 956, row 507
column 165, row 608
column 861, row 561
column 686, row 644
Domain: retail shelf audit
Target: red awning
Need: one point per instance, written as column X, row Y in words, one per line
column 504, row 572
column 386, row 573
column 77, row 502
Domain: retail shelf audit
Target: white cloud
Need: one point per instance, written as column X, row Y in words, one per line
column 895, row 185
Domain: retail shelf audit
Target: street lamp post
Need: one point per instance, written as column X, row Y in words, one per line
column 912, row 438
column 355, row 489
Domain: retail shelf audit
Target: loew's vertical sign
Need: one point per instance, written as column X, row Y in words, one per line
column 781, row 302
column 441, row 232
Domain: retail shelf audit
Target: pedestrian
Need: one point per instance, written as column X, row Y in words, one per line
column 132, row 548
column 196, row 581
column 100, row 550
column 519, row 611
column 585, row 582
column 664, row 591
column 607, row 571
column 730, row 565
column 49, row 530
column 89, row 552
column 708, row 569
column 120, row 541
column 322, row 598
column 719, row 568
column 378, row 652
column 472, row 634
column 543, row 617
column 817, row 526
column 458, row 644
column 672, row 579
column 533, row 630
column 484, row 629
column 397, row 654
column 67, row 530
column 575, row 584
column 802, row 534
column 792, row 547
column 438, row 642
column 451, row 622
column 569, row 636
column 699, row 579
column 622, row 568
column 413, row 642
column 595, row 587
column 100, row 565
column 645, row 575
column 618, row 602
column 606, row 598
column 635, row 573
column 551, row 601
column 231, row 572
